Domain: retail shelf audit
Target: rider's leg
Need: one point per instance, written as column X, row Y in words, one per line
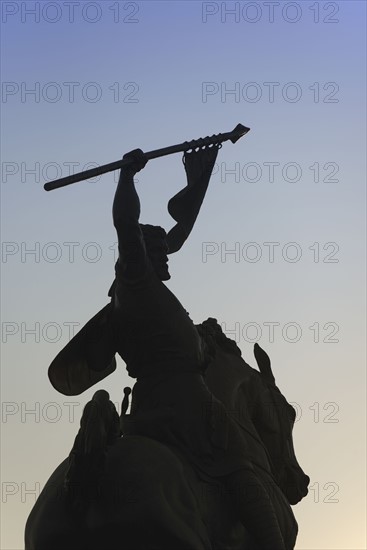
column 254, row 506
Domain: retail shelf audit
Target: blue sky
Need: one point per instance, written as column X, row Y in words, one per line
column 148, row 75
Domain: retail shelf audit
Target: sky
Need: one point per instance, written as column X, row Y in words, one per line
column 277, row 254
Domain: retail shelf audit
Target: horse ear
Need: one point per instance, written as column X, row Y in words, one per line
column 263, row 361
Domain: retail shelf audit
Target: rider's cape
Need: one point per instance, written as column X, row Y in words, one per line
column 90, row 355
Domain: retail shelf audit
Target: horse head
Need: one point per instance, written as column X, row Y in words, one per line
column 274, row 420
column 258, row 406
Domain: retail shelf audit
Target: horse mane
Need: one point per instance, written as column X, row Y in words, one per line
column 212, row 336
column 99, row 428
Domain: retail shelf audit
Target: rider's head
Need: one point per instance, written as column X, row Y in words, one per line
column 157, row 248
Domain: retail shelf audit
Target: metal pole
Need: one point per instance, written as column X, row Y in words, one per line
column 235, row 135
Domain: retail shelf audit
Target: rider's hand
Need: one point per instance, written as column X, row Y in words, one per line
column 138, row 160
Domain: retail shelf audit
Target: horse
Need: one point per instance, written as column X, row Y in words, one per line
column 135, row 493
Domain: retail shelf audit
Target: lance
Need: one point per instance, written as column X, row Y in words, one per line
column 215, row 139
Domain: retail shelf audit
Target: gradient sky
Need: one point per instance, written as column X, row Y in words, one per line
column 112, row 76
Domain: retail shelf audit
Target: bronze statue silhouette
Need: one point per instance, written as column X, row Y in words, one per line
column 172, row 403
column 135, row 493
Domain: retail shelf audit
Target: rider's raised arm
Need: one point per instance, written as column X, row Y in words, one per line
column 126, row 214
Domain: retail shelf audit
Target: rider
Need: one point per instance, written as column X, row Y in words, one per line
column 163, row 349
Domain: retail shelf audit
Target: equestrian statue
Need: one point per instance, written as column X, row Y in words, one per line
column 204, row 460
